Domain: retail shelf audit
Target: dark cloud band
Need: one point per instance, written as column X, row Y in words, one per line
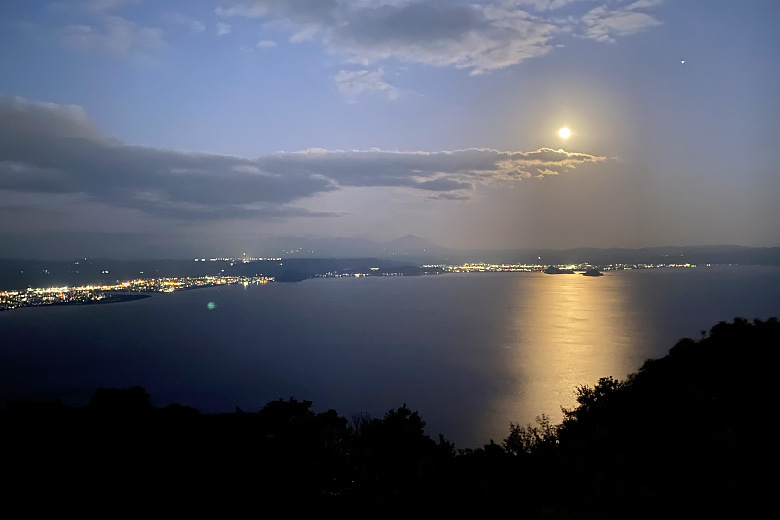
column 48, row 148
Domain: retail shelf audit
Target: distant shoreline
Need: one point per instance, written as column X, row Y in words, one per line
column 118, row 298
column 113, row 298
column 125, row 294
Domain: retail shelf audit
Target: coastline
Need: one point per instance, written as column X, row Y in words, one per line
column 117, row 298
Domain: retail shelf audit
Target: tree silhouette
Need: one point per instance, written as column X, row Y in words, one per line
column 679, row 436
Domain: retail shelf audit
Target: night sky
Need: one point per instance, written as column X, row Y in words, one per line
column 139, row 127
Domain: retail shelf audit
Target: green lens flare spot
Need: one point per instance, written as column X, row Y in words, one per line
column 211, row 306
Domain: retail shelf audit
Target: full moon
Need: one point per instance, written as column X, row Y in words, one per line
column 564, row 133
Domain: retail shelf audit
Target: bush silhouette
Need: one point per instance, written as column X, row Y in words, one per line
column 679, row 436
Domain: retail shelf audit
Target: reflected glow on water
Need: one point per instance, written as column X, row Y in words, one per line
column 575, row 330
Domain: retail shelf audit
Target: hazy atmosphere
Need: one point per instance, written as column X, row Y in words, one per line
column 135, row 128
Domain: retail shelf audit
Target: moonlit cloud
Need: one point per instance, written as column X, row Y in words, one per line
column 544, row 5
column 49, row 148
column 477, row 37
column 644, row 4
column 606, row 25
column 480, row 37
column 354, row 83
column 449, row 196
column 108, row 5
column 223, row 29
column 114, row 35
column 266, row 44
column 194, row 25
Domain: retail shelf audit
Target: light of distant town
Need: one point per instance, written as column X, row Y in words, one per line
column 564, row 133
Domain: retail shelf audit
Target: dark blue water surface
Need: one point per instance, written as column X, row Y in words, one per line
column 471, row 352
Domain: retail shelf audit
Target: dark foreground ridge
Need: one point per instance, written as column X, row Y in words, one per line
column 684, row 436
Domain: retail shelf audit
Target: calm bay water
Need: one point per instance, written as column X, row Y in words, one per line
column 470, row 352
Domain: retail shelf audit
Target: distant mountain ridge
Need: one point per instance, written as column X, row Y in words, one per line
column 318, row 256
column 420, row 250
column 408, row 248
column 20, row 274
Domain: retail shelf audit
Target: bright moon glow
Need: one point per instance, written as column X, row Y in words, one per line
column 564, row 133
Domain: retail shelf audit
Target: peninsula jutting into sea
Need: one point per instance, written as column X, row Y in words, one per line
column 119, row 292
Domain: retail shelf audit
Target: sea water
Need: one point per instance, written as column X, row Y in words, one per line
column 470, row 352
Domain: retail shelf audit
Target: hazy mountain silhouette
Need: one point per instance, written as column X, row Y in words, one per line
column 421, row 250
column 408, row 250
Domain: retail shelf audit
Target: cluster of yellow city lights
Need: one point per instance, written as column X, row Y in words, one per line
column 49, row 295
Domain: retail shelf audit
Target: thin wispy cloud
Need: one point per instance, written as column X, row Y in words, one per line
column 223, row 29
column 108, row 5
column 105, row 31
column 194, row 25
column 606, row 25
column 266, row 44
column 355, row 83
column 116, row 36
column 544, row 5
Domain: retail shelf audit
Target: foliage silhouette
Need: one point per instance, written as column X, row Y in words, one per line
column 680, row 436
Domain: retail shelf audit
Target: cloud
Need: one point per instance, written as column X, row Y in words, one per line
column 108, row 5
column 223, row 29
column 605, row 25
column 354, row 83
column 478, row 37
column 449, row 196
column 194, row 25
column 544, row 5
column 49, row 148
column 266, row 44
column 115, row 35
column 644, row 4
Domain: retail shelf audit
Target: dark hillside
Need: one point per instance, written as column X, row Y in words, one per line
column 685, row 435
